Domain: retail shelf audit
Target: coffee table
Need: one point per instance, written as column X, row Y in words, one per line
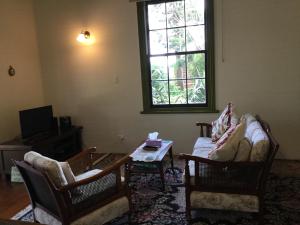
column 145, row 161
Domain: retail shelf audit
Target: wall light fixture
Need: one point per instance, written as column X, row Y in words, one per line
column 85, row 38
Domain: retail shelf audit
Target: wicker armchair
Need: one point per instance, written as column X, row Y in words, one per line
column 232, row 182
column 95, row 198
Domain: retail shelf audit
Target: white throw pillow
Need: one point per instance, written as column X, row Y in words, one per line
column 227, row 145
column 243, row 151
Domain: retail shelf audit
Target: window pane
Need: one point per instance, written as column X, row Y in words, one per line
column 176, row 40
column 196, row 65
column 177, row 68
column 194, row 10
column 157, row 16
column 159, row 69
column 196, row 91
column 160, row 94
column 195, row 38
column 175, row 14
column 178, row 92
column 158, row 42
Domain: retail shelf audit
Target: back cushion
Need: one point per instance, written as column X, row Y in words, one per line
column 259, row 140
column 248, row 118
column 49, row 166
column 243, row 151
column 227, row 146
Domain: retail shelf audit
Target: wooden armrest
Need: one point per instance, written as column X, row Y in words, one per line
column 208, row 129
column 82, row 161
column 111, row 169
column 203, row 124
column 82, row 154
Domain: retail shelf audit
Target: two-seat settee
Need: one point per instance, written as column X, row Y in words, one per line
column 238, row 183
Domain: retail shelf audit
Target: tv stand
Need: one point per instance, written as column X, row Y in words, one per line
column 59, row 145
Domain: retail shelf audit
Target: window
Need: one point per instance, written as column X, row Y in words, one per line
column 176, row 47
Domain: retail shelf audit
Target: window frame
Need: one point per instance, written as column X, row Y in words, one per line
column 148, row 108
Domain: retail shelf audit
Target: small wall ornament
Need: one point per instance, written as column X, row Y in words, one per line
column 11, row 71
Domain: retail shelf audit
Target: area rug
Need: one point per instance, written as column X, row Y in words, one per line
column 154, row 207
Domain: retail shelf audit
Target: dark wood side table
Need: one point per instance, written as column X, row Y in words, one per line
column 11, row 151
column 57, row 145
column 144, row 161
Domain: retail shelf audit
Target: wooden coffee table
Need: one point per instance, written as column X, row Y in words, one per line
column 145, row 161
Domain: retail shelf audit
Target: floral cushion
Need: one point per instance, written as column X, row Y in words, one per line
column 211, row 200
column 223, row 123
column 227, row 145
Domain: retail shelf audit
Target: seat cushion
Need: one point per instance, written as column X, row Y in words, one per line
column 92, row 173
column 49, row 166
column 211, row 200
column 87, row 174
column 97, row 217
column 202, row 147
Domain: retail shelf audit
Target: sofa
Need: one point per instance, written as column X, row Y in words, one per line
column 231, row 175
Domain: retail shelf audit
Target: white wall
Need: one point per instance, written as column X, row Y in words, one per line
column 18, row 47
column 100, row 85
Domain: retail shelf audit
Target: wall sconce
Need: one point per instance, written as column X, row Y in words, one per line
column 85, row 38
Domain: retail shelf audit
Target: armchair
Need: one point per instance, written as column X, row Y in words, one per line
column 95, row 197
column 229, row 185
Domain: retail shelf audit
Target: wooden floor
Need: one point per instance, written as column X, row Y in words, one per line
column 13, row 198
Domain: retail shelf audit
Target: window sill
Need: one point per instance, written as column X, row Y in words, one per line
column 178, row 110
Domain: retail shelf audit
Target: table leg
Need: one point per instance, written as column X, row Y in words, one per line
column 171, row 158
column 162, row 175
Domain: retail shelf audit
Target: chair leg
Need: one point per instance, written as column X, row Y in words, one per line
column 129, row 218
column 260, row 213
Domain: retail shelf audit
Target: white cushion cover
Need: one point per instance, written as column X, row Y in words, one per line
column 248, row 118
column 87, row 174
column 69, row 175
column 211, row 200
column 92, row 173
column 259, row 140
column 97, row 217
column 226, row 149
column 50, row 166
column 243, row 151
column 202, row 147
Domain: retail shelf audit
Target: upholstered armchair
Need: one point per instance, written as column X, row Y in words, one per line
column 226, row 185
column 58, row 197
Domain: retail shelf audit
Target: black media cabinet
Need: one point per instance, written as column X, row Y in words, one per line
column 59, row 145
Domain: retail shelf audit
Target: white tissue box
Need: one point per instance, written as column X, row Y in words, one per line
column 153, row 143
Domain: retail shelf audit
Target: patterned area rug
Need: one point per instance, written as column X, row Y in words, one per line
column 154, row 207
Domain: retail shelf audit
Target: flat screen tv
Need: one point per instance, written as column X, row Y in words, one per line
column 35, row 121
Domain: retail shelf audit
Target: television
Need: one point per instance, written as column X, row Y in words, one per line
column 36, row 120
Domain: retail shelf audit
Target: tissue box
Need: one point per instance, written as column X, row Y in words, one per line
column 153, row 143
